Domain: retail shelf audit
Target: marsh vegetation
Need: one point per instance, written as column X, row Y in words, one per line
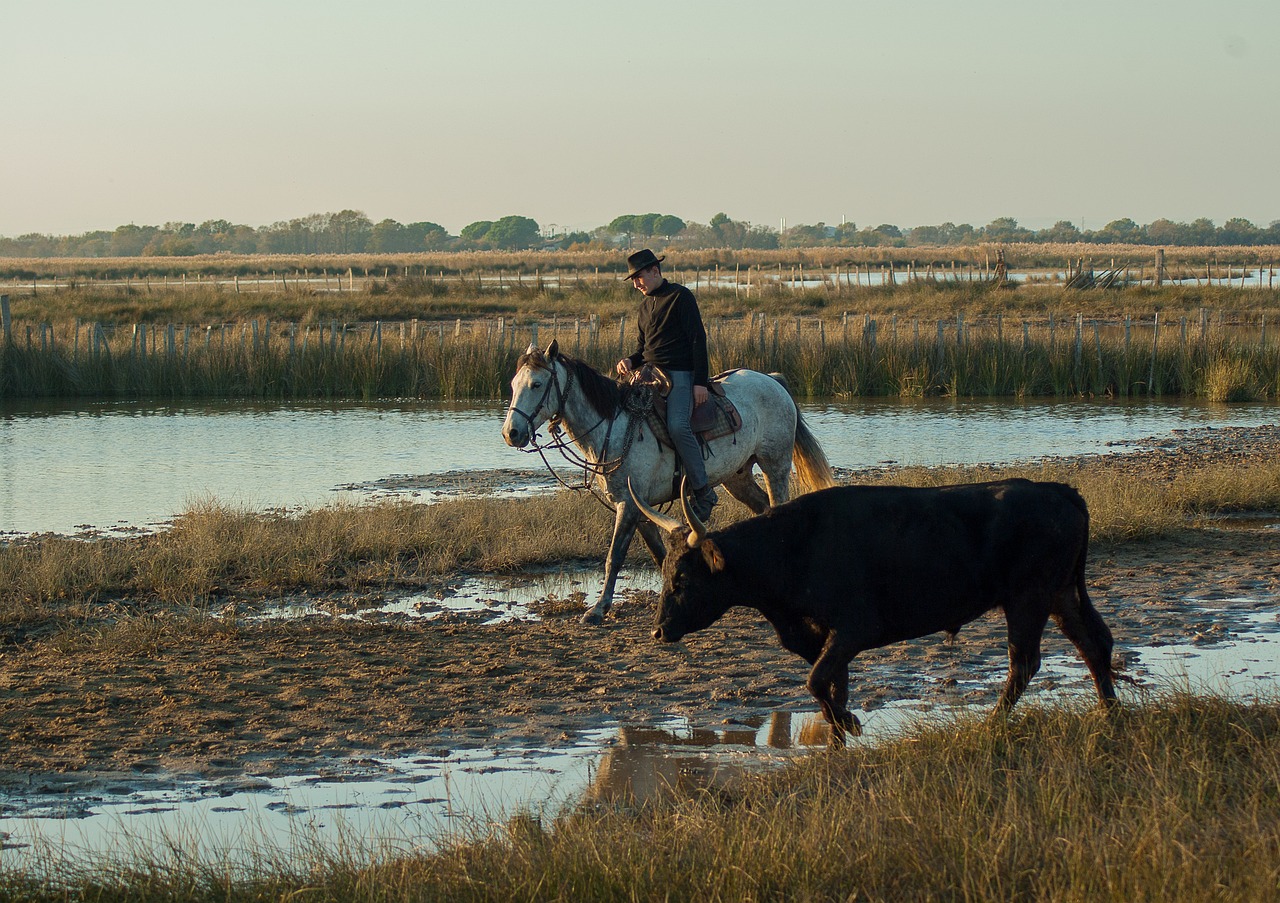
column 407, row 340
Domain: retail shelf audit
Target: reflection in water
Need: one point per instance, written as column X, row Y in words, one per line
column 651, row 763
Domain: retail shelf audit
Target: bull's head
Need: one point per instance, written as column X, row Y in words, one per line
column 534, row 394
column 694, row 592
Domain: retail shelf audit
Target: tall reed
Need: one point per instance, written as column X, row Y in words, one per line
column 960, row 354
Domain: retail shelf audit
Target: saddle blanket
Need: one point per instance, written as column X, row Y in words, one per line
column 715, row 418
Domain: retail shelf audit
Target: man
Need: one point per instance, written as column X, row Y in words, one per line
column 672, row 337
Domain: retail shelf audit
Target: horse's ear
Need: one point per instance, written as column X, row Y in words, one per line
column 531, row 349
column 712, row 555
column 553, row 349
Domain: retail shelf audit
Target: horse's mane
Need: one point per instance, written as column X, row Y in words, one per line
column 602, row 393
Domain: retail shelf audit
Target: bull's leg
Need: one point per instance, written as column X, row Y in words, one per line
column 1084, row 627
column 839, row 694
column 829, row 684
column 743, row 487
column 1026, row 622
column 624, row 527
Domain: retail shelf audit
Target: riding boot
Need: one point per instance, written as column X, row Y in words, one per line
column 704, row 500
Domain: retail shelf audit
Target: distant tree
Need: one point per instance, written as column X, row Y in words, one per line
column 1121, row 231
column 939, row 236
column 804, row 236
column 668, row 226
column 513, row 233
column 623, row 225
column 847, row 233
column 1005, row 229
column 348, row 232
column 1202, row 232
column 1167, row 232
column 172, row 243
column 1237, row 231
column 476, row 231
column 388, row 236
column 426, row 236
column 646, row 225
column 1063, row 231
column 129, row 241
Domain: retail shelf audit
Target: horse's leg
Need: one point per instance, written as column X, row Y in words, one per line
column 652, row 537
column 743, row 487
column 624, row 527
column 777, row 477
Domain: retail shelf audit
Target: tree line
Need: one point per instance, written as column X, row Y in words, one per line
column 352, row 232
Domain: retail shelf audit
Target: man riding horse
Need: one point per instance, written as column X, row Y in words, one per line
column 673, row 339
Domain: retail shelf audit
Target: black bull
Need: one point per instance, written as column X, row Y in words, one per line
column 858, row 567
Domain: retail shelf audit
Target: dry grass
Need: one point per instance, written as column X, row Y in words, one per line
column 214, row 550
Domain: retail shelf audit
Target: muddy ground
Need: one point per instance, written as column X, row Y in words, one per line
column 248, row 696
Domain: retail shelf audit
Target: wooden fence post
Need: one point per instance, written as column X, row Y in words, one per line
column 1155, row 345
column 6, row 319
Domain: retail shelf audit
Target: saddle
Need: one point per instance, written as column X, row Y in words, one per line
column 716, row 418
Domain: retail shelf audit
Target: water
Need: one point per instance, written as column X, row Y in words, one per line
column 121, row 465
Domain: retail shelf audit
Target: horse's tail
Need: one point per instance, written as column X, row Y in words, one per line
column 813, row 471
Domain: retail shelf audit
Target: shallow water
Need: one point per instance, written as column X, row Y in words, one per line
column 127, row 465
column 376, row 806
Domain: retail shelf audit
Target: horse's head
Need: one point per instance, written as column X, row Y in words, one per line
column 537, row 392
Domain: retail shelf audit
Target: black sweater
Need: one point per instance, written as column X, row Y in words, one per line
column 671, row 332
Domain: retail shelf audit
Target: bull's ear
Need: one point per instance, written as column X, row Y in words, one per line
column 553, row 349
column 712, row 555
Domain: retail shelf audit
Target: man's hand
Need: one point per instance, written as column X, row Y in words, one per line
column 700, row 395
column 624, row 366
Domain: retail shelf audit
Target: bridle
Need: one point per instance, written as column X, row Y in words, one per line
column 561, row 391
column 565, row 445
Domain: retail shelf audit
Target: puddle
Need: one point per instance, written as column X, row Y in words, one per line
column 1246, row 665
column 378, row 807
column 370, row 807
column 490, row 599
column 1244, row 521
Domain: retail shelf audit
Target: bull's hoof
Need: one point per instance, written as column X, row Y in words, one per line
column 592, row 618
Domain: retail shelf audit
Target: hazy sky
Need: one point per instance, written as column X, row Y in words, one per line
column 573, row 112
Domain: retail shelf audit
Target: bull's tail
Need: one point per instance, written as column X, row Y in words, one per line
column 813, row 471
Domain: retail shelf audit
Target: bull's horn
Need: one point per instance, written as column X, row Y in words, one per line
column 662, row 521
column 697, row 529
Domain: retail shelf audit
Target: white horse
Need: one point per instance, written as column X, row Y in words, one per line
column 552, row 386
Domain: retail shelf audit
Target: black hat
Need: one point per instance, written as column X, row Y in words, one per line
column 641, row 260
